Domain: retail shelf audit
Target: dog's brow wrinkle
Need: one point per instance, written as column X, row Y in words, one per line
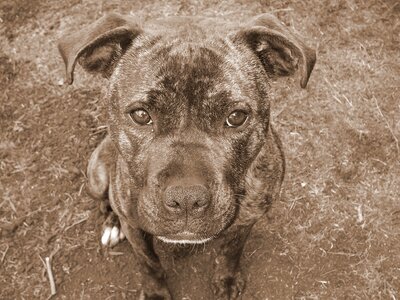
column 232, row 77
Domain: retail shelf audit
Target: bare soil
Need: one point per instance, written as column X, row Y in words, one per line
column 335, row 234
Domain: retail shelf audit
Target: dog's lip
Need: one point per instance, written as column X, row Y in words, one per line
column 184, row 238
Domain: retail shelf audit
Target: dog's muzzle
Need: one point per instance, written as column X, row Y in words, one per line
column 186, row 202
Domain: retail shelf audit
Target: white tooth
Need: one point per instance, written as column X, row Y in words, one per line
column 121, row 235
column 114, row 236
column 106, row 236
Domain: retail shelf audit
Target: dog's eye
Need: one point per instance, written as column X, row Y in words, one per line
column 141, row 117
column 236, row 118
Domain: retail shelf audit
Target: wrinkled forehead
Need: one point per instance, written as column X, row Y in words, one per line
column 184, row 72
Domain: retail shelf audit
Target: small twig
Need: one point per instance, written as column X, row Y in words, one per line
column 80, row 189
column 44, row 264
column 115, row 253
column 378, row 160
column 69, row 196
column 54, row 252
column 360, row 215
column 252, row 253
column 348, row 101
column 11, row 204
column 4, row 253
column 343, row 253
column 76, row 223
column 294, row 201
column 124, row 289
column 51, row 278
column 388, row 126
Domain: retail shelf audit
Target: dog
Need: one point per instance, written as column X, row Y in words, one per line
column 191, row 155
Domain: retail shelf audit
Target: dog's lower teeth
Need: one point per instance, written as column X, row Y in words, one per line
column 183, row 241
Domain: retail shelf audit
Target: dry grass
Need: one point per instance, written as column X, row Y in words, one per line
column 334, row 235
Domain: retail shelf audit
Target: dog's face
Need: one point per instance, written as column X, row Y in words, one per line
column 189, row 117
column 188, row 128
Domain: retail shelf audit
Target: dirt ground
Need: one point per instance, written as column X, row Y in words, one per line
column 335, row 234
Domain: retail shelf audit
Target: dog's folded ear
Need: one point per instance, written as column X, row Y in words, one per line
column 99, row 46
column 280, row 51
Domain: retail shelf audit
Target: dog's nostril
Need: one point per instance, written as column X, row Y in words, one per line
column 200, row 203
column 174, row 204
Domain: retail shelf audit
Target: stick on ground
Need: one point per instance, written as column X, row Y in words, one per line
column 51, row 277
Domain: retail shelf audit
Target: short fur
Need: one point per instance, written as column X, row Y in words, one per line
column 189, row 73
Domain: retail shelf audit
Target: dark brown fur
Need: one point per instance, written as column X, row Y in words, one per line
column 189, row 74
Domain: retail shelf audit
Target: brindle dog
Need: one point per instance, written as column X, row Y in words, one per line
column 191, row 155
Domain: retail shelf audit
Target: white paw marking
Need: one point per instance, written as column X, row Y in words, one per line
column 106, row 236
column 121, row 235
column 112, row 236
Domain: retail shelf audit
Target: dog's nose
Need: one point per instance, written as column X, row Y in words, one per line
column 192, row 199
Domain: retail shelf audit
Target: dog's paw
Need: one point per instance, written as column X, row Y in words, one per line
column 112, row 236
column 162, row 294
column 237, row 286
column 112, row 233
column 228, row 286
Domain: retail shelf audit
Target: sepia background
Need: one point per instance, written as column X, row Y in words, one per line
column 335, row 234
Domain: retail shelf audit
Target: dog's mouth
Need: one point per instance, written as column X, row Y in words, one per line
column 185, row 238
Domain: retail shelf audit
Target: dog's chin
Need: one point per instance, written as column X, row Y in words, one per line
column 184, row 238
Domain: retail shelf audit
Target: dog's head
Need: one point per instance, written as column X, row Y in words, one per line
column 188, row 111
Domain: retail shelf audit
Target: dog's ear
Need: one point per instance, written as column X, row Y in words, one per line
column 99, row 46
column 280, row 51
